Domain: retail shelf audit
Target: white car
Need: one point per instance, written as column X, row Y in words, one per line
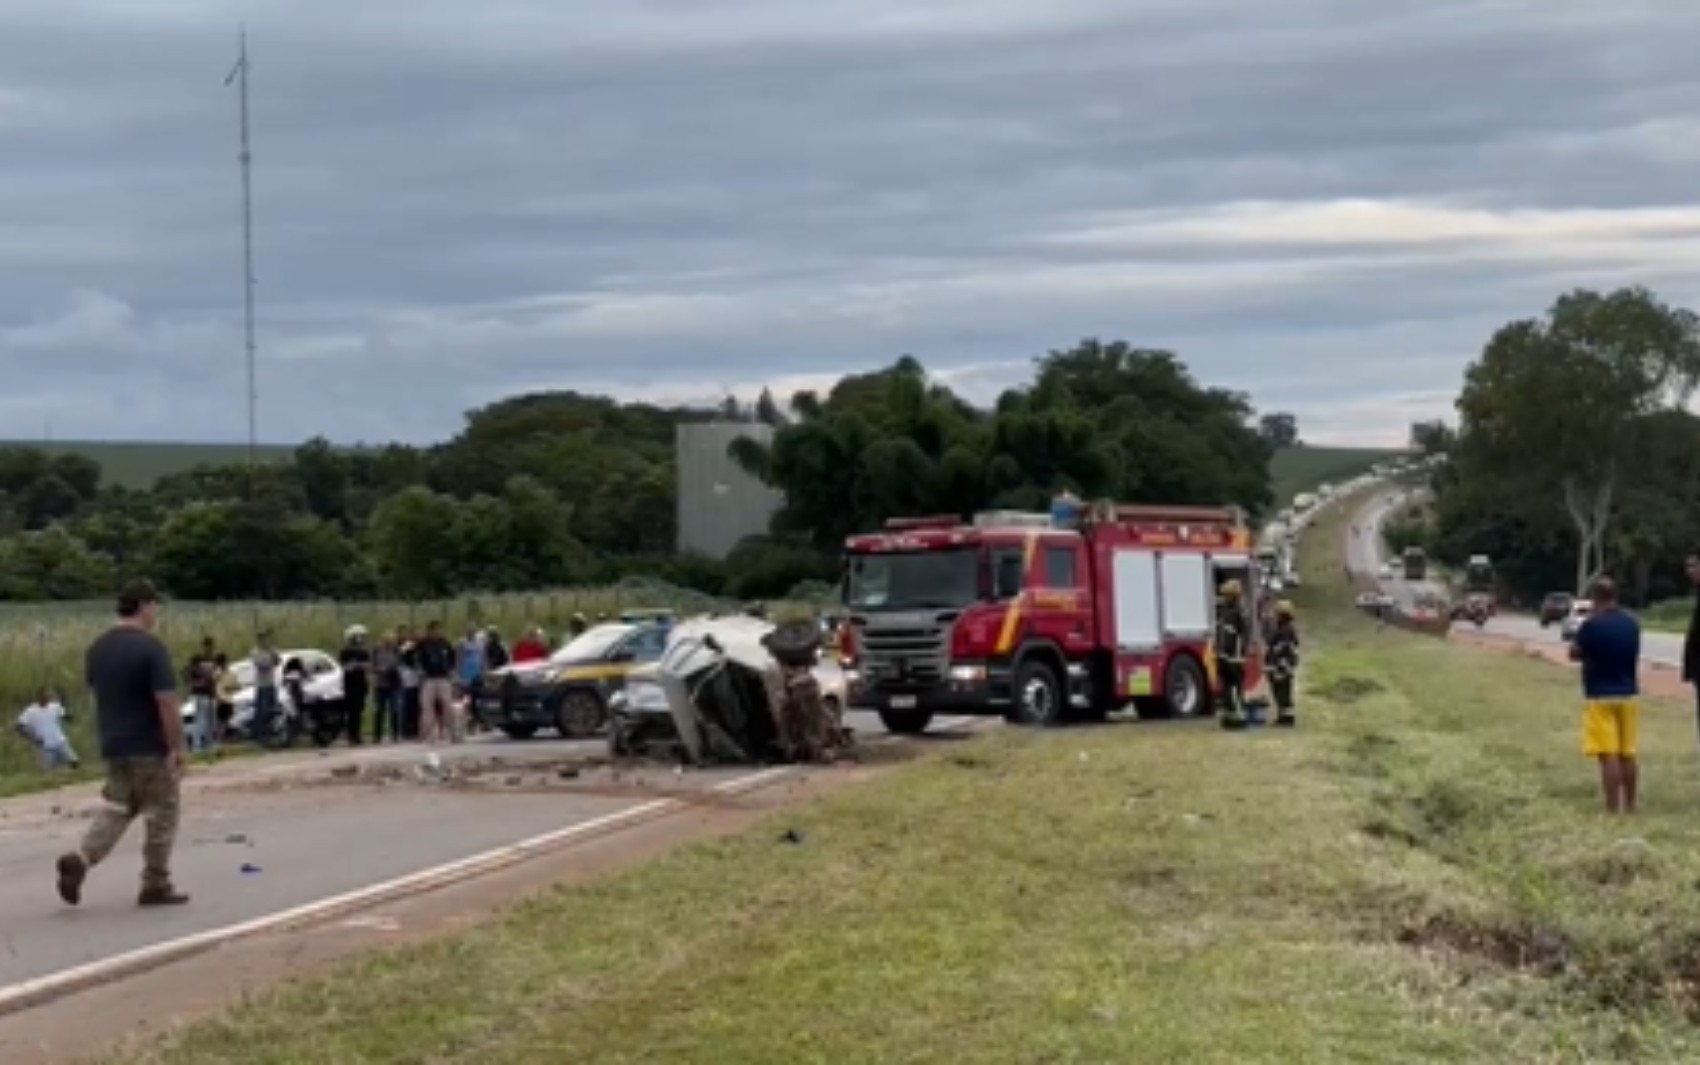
column 323, row 683
column 1386, row 571
column 1579, row 611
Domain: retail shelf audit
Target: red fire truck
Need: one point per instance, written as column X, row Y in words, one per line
column 1042, row 618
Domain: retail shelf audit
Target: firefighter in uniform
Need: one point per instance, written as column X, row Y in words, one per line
column 1281, row 663
column 1231, row 640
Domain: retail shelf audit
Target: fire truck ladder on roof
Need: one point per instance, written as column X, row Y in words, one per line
column 1109, row 513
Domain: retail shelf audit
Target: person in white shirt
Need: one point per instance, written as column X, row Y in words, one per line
column 43, row 724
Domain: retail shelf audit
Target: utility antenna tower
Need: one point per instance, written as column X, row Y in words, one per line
column 239, row 75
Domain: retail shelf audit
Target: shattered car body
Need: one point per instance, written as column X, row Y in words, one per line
column 730, row 690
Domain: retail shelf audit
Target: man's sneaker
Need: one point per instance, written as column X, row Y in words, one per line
column 73, row 870
column 161, row 896
column 1286, row 721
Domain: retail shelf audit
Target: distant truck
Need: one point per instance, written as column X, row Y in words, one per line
column 1416, row 564
column 1041, row 618
column 1303, row 502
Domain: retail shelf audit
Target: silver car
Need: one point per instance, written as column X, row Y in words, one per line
column 1579, row 611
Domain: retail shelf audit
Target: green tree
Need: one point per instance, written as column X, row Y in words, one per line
column 1548, row 410
column 1278, row 430
column 412, row 542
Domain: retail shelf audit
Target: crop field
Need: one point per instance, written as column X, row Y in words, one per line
column 42, row 644
column 1300, row 469
column 131, row 464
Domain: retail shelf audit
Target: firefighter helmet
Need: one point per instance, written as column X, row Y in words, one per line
column 1231, row 590
column 1284, row 609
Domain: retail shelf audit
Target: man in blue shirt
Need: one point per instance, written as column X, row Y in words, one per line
column 1608, row 645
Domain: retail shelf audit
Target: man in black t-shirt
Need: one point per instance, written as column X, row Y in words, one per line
column 356, row 682
column 437, row 659
column 141, row 741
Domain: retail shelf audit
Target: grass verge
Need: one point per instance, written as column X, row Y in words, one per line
column 1418, row 874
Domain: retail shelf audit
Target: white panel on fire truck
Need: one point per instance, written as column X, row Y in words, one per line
column 1138, row 624
column 1187, row 595
column 1011, row 519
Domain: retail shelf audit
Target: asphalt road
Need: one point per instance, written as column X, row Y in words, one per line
column 1364, row 554
column 272, row 835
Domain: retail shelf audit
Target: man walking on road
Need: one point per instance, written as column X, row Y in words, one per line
column 1608, row 645
column 141, row 741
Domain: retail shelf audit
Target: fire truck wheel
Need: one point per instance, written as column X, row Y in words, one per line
column 1038, row 696
column 1184, row 690
column 906, row 722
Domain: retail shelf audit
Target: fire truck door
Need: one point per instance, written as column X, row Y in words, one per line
column 1238, row 568
column 1066, row 616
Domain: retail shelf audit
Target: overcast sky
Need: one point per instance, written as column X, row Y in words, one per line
column 1328, row 204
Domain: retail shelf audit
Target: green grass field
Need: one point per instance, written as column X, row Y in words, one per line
column 1302, row 469
column 140, row 464
column 1418, row 874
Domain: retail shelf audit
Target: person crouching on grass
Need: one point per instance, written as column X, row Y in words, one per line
column 1608, row 645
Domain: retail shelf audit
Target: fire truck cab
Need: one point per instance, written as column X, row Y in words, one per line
column 1044, row 618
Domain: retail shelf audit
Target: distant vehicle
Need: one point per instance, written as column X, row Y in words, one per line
column 1578, row 613
column 1554, row 607
column 1386, row 571
column 1303, row 502
column 1416, row 564
column 1478, row 574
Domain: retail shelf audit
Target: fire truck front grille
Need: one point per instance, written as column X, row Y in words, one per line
column 904, row 654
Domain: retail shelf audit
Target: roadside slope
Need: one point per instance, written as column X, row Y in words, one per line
column 1416, row 875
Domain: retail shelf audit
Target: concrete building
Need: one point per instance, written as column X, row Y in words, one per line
column 720, row 503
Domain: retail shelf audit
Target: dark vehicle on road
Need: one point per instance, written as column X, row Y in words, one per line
column 569, row 691
column 1555, row 608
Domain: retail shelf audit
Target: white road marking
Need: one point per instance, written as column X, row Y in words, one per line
column 28, row 992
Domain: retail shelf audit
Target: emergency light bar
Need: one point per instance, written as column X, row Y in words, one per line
column 935, row 521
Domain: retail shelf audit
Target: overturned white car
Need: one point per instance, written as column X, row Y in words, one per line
column 736, row 690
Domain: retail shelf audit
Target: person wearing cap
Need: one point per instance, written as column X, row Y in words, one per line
column 1281, row 663
column 141, row 742
column 1230, row 649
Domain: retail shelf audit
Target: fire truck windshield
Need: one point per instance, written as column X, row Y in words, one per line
column 920, row 580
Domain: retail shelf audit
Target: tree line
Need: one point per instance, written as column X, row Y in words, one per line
column 556, row 489
column 1575, row 453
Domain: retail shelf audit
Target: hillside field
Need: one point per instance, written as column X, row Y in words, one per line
column 137, row 464
column 1300, row 469
column 140, row 464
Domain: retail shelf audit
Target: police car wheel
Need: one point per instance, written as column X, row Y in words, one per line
column 579, row 715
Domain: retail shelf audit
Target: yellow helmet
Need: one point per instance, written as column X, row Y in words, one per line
column 1231, row 590
column 1284, row 609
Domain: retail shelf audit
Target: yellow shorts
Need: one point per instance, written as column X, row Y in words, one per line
column 1610, row 727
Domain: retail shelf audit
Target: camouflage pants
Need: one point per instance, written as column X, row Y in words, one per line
column 135, row 787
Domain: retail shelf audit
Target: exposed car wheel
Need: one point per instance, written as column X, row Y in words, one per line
column 1038, row 695
column 906, row 722
column 579, row 715
column 519, row 732
column 1185, row 692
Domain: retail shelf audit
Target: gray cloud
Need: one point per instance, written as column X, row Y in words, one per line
column 1326, row 203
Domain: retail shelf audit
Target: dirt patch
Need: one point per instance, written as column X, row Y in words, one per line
column 1536, row 951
